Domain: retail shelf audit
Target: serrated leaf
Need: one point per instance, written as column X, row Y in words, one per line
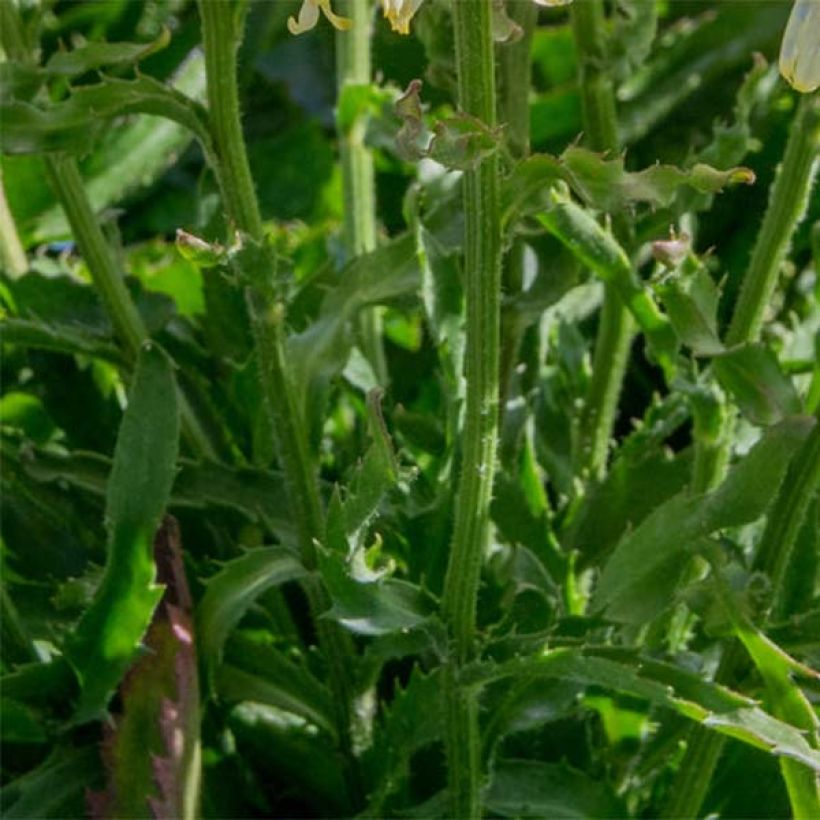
column 90, row 56
column 233, row 590
column 367, row 603
column 605, row 184
column 131, row 157
column 529, row 788
column 751, row 374
column 640, row 578
column 378, row 472
column 413, row 720
column 108, row 636
column 74, row 125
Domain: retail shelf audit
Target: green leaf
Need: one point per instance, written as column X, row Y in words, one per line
column 785, row 698
column 690, row 298
column 377, row 473
column 528, row 788
column 90, row 56
column 130, row 157
column 365, row 601
column 413, row 720
column 75, row 125
column 640, row 578
column 605, row 184
column 60, row 338
column 234, row 589
column 752, row 374
column 108, row 636
column 55, row 789
column 687, row 693
column 596, row 248
column 254, row 670
column 319, row 353
column 258, row 495
column 19, row 723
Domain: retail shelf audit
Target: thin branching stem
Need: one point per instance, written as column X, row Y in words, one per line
column 616, row 327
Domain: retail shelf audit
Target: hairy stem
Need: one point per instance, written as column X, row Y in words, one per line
column 358, row 176
column 482, row 278
column 222, row 32
column 514, row 70
column 616, row 326
column 788, row 202
column 64, row 178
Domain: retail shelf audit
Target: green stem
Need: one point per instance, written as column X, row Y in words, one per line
column 616, row 327
column 11, row 249
column 474, row 52
column 358, row 175
column 64, row 177
column 788, row 202
column 222, row 34
column 787, row 516
column 482, row 278
column 514, row 76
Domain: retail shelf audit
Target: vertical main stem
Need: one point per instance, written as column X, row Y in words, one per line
column 482, row 277
column 353, row 61
column 221, row 34
column 472, row 21
column 616, row 327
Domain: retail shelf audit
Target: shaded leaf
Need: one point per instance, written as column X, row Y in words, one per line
column 254, row 670
column 639, row 579
column 233, row 590
column 710, row 704
column 752, row 375
column 527, row 788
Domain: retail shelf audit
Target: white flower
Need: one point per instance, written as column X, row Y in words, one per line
column 800, row 52
column 400, row 12
column 309, row 16
column 553, row 2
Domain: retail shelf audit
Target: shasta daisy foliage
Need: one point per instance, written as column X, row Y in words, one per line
column 436, row 434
